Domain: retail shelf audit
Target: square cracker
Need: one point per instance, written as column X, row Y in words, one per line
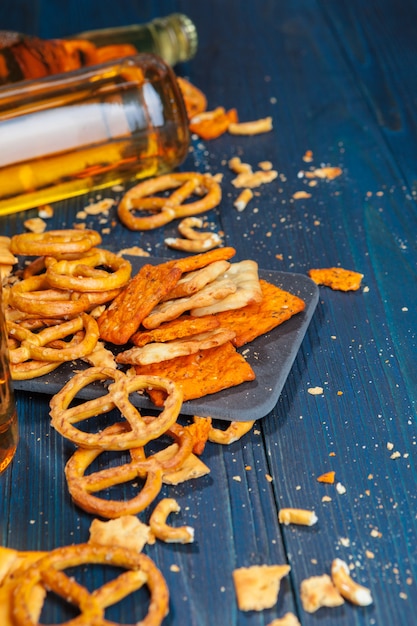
column 198, row 375
column 257, row 587
column 253, row 320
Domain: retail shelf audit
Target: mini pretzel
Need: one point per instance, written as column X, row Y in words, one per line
column 34, row 346
column 31, row 369
column 33, row 296
column 161, row 530
column 64, row 418
column 81, row 274
column 164, row 210
column 48, row 571
column 193, row 241
column 55, row 242
column 303, row 517
column 232, row 433
column 347, row 587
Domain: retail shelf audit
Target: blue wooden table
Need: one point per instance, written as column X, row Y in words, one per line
column 338, row 79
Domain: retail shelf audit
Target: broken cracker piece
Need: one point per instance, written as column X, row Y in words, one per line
column 336, row 278
column 257, row 587
column 319, row 591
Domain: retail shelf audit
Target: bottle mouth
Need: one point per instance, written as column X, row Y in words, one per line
column 190, row 32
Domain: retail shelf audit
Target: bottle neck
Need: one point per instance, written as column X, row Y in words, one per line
column 173, row 38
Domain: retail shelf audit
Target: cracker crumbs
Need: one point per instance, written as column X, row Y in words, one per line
column 45, row 212
column 35, row 225
column 315, row 391
column 327, row 477
column 257, row 587
column 341, row 489
column 174, row 568
column 301, row 195
column 302, row 517
column 133, row 251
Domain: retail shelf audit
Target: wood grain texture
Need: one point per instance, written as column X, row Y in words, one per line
column 338, row 79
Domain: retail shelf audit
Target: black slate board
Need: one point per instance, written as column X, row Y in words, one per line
column 271, row 357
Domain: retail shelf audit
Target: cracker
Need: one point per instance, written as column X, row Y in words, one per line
column 191, row 468
column 206, row 372
column 126, row 531
column 195, row 262
column 318, row 591
column 337, row 278
column 249, row 322
column 127, row 311
column 191, row 282
column 183, row 326
column 164, row 351
column 257, row 587
column 171, row 309
column 248, row 290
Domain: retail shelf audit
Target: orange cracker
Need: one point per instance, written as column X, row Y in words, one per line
column 125, row 314
column 198, row 375
column 184, row 326
column 337, row 278
column 253, row 320
column 197, row 261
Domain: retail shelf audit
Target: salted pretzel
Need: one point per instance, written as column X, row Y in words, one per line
column 82, row 274
column 31, row 369
column 36, row 345
column 48, row 572
column 141, row 430
column 34, row 297
column 164, row 532
column 54, row 242
column 82, row 488
column 164, row 209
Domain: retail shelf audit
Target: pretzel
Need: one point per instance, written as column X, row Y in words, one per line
column 164, row 210
column 152, row 469
column 232, row 433
column 31, row 369
column 54, row 242
column 161, row 530
column 347, row 587
column 193, row 241
column 35, row 346
column 302, row 517
column 33, row 296
column 142, row 431
column 82, row 487
column 48, row 571
column 81, row 275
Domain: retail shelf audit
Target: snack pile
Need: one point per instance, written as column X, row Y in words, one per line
column 182, row 319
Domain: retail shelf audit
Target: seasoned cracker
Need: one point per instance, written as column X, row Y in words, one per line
column 127, row 311
column 198, row 375
column 183, row 326
column 337, row 278
column 253, row 320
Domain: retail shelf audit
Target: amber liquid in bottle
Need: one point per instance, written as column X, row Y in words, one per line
column 8, row 439
column 93, row 128
column 8, row 417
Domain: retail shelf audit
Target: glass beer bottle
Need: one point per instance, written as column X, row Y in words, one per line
column 92, row 128
column 24, row 57
column 8, row 416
